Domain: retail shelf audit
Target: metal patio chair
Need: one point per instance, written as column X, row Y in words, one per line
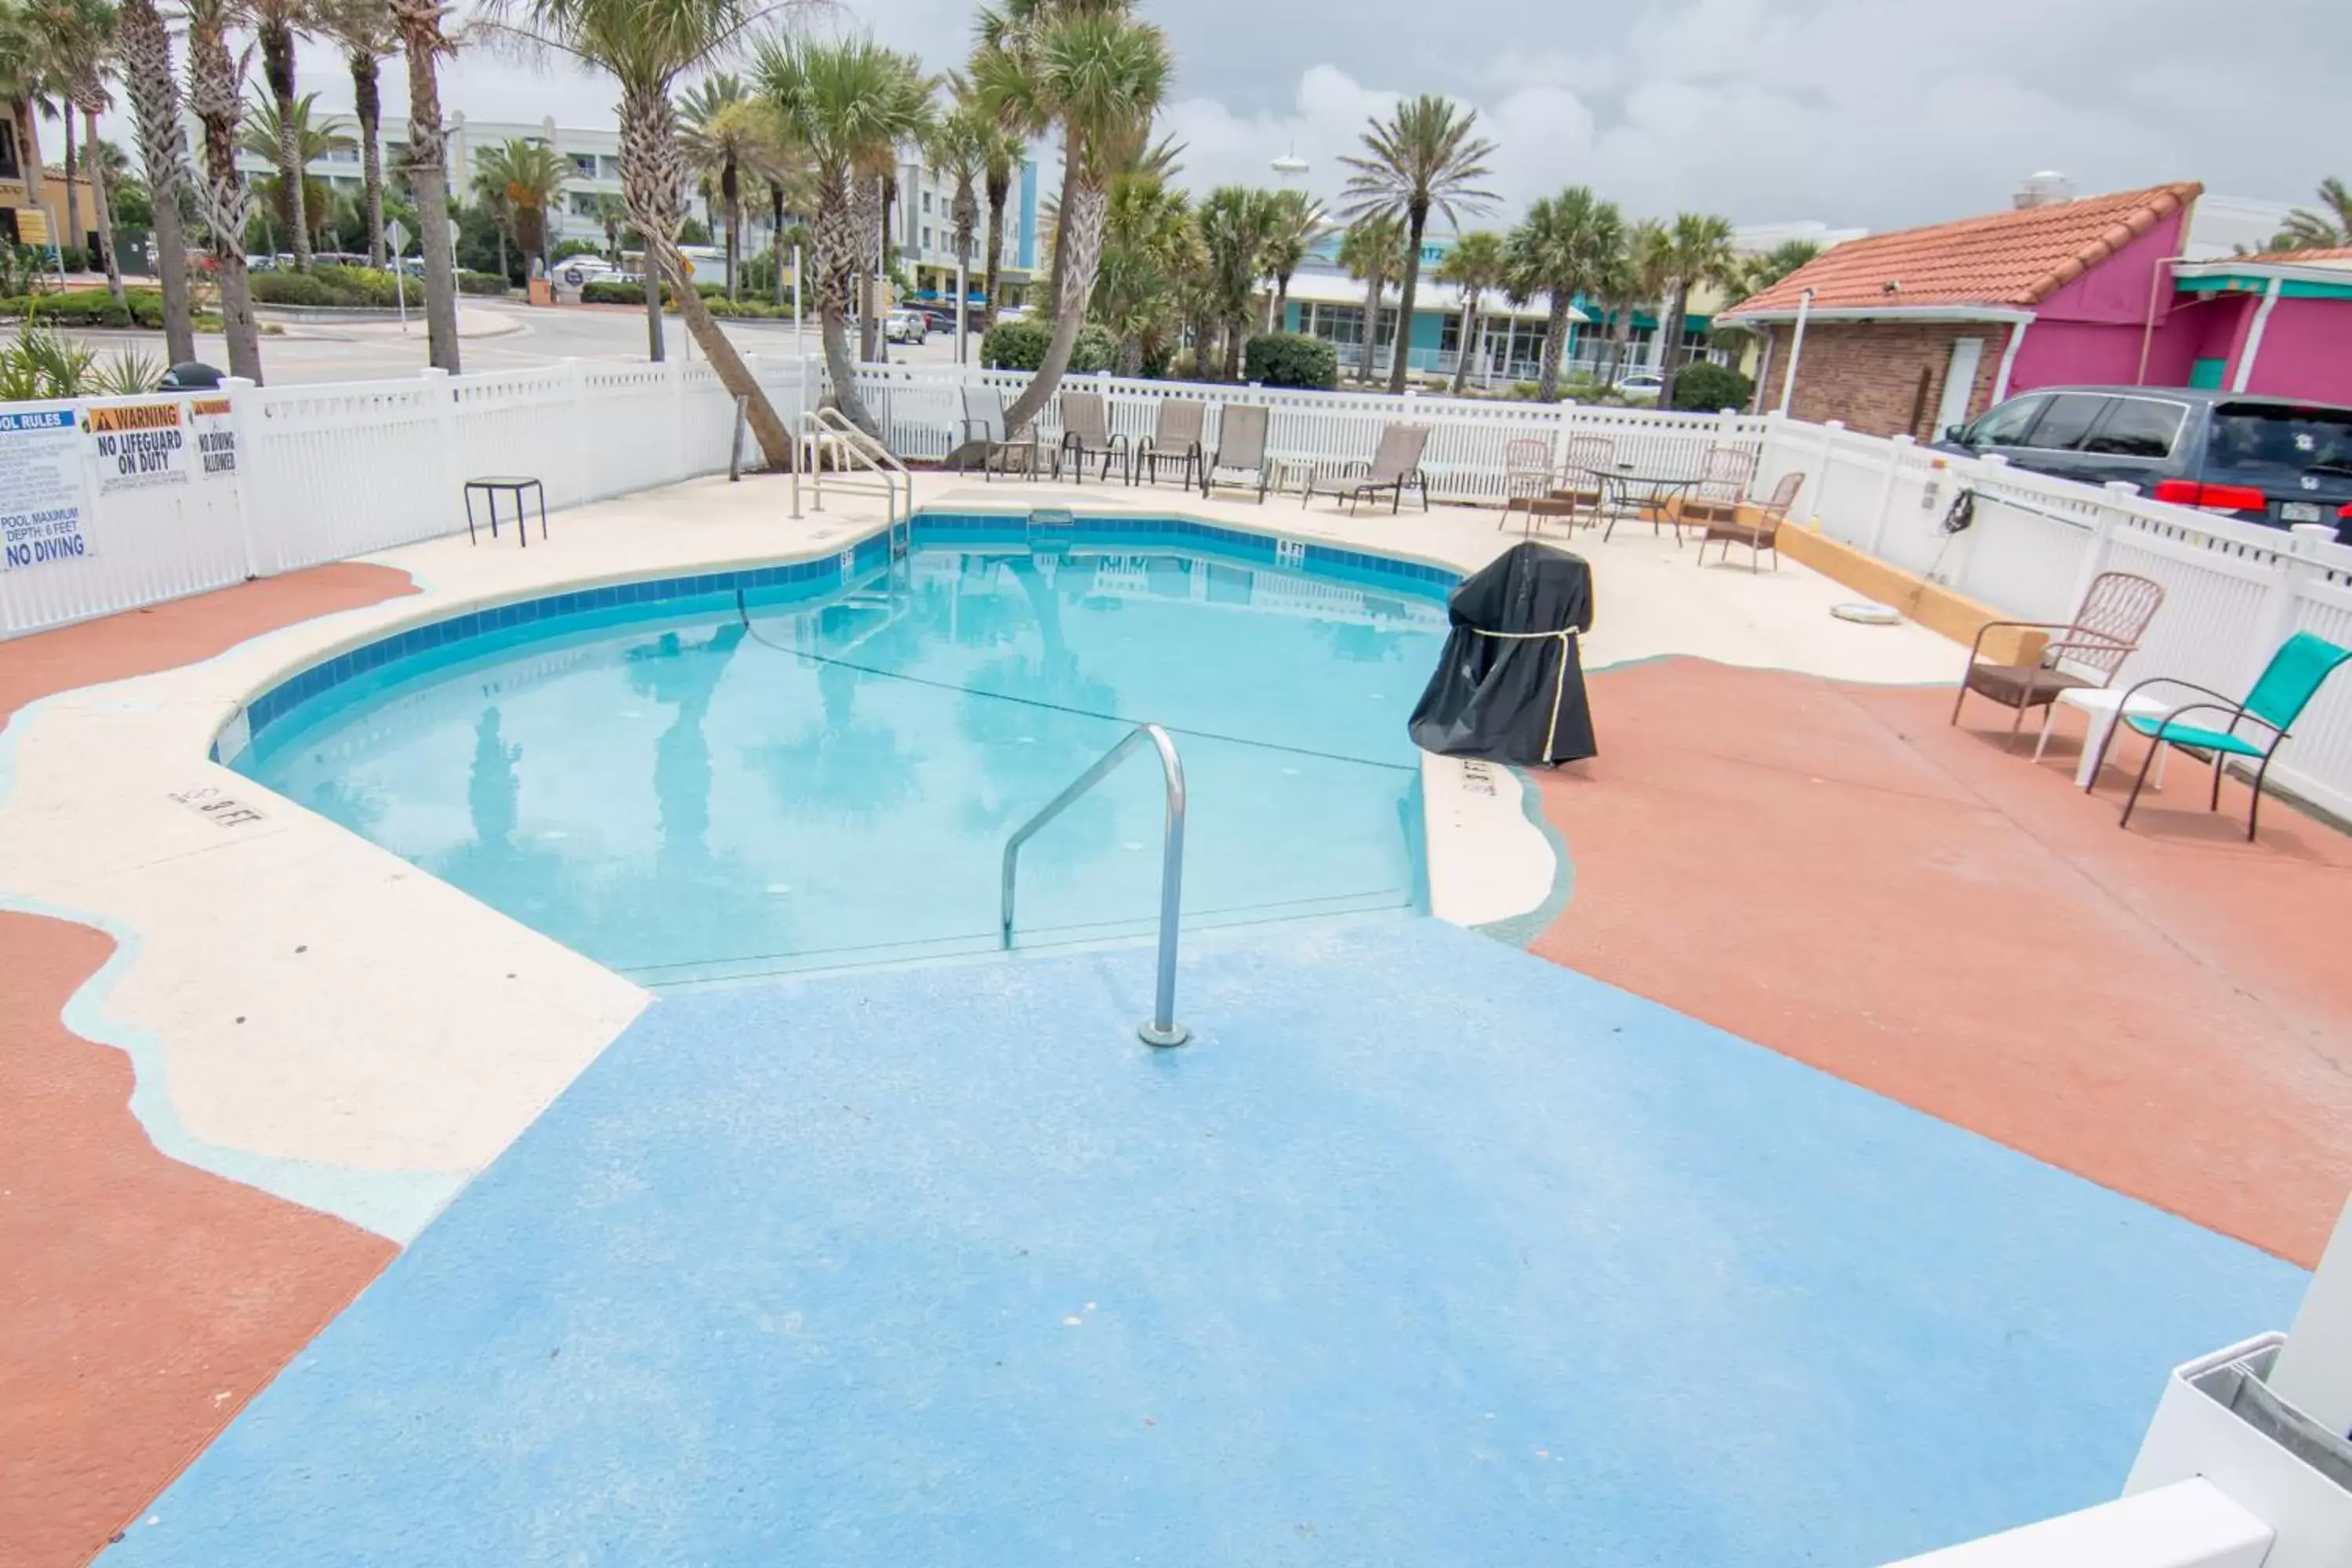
column 2284, row 688
column 1526, row 474
column 2091, row 648
column 1087, row 435
column 1724, row 476
column 984, row 426
column 1760, row 532
column 1395, row 464
column 1241, row 449
column 1175, row 437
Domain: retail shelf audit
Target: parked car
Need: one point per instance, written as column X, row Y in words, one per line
column 1641, row 385
column 905, row 326
column 2260, row 459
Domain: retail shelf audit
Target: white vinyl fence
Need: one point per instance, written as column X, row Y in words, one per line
column 2234, row 591
column 111, row 503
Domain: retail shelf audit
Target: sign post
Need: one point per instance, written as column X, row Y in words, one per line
column 397, row 238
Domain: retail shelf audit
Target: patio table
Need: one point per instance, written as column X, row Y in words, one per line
column 2101, row 706
column 1629, row 489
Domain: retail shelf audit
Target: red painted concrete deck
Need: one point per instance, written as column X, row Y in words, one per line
column 142, row 1302
column 1832, row 871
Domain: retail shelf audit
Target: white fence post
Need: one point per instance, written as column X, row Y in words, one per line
column 445, row 441
column 2282, row 608
column 1896, row 450
column 575, row 381
column 676, row 369
column 2104, row 523
column 241, row 391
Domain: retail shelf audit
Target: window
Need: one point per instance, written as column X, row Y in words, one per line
column 2281, row 439
column 2065, row 422
column 583, row 203
column 927, row 232
column 2138, row 427
column 2005, row 425
column 584, row 164
column 927, row 201
column 1337, row 323
column 608, row 166
column 9, row 168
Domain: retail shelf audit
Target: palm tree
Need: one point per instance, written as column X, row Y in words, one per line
column 422, row 44
column 215, row 94
column 611, row 214
column 277, row 25
column 364, row 28
column 1372, row 250
column 1759, row 272
column 1698, row 251
column 267, row 131
column 772, row 156
column 2327, row 229
column 1474, row 265
column 79, row 36
column 25, row 86
column 145, row 48
column 530, row 176
column 1424, row 159
column 1234, row 222
column 1299, row 224
column 648, row 45
column 849, row 104
column 1635, row 276
column 1004, row 153
column 489, row 193
column 1150, row 246
column 1563, row 247
column 1098, row 75
column 720, row 127
column 959, row 149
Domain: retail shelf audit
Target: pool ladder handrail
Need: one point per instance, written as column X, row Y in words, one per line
column 1163, row 1030
column 823, row 428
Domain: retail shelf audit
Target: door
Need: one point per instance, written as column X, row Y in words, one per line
column 1960, row 381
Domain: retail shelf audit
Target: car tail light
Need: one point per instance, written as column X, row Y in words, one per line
column 2212, row 497
column 2343, row 513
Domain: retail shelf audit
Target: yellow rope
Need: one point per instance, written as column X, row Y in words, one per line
column 1560, row 687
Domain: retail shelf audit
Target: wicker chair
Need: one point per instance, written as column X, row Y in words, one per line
column 1760, row 532
column 1722, row 486
column 2085, row 651
column 1526, row 474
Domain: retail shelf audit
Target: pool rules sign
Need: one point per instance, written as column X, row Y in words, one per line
column 41, row 513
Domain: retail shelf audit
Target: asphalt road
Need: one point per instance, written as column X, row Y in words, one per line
column 492, row 336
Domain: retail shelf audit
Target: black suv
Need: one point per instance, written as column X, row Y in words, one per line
column 2260, row 459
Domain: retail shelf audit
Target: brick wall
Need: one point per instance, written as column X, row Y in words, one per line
column 1868, row 373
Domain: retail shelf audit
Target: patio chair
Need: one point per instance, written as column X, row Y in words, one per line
column 1526, row 474
column 983, row 426
column 1175, row 437
column 1761, row 530
column 2094, row 644
column 1723, row 481
column 1087, row 435
column 1241, row 449
column 2286, row 687
column 1396, row 464
column 1579, row 468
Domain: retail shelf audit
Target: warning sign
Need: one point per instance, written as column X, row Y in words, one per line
column 215, row 438
column 138, row 446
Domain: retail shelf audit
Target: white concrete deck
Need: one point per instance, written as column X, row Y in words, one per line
column 311, row 1015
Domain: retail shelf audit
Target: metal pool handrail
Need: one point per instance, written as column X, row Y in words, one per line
column 824, row 428
column 1163, row 1029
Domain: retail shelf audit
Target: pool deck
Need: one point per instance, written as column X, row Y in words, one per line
column 1780, row 837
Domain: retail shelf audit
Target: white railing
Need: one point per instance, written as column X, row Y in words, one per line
column 921, row 411
column 291, row 476
column 2234, row 591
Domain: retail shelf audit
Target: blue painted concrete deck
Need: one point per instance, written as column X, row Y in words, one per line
column 1427, row 1252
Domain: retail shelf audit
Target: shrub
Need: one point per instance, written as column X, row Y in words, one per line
column 1096, row 350
column 607, row 291
column 74, row 257
column 77, row 308
column 481, row 283
column 1291, row 359
column 1707, row 386
column 332, row 285
column 565, row 249
column 1586, row 389
column 291, row 289
column 1015, row 345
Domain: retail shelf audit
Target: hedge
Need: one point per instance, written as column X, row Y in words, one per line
column 482, row 283
column 606, row 291
column 335, row 285
column 96, row 308
column 1705, row 386
column 1291, row 359
column 1021, row 345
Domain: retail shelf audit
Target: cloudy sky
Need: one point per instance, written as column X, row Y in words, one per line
column 1871, row 113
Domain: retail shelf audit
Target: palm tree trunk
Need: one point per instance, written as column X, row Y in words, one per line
column 1365, row 364
column 154, row 93
column 775, row 443
column 776, row 239
column 1071, row 164
column 367, row 104
column 1415, row 228
column 213, row 95
column 998, row 194
column 278, row 65
column 1555, row 340
column 731, row 194
column 73, row 204
column 1080, row 247
column 1281, row 303
column 104, row 213
column 835, row 243
column 1464, row 343
column 1670, row 355
column 505, row 273
column 28, row 150
column 656, row 348
column 1235, row 330
column 429, row 178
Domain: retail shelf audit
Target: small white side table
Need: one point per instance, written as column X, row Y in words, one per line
column 2101, row 707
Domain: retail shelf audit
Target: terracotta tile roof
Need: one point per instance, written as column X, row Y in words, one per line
column 2011, row 259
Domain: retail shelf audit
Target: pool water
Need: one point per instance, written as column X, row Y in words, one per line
column 688, row 792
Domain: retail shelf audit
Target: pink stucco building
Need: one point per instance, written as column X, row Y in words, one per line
column 1926, row 328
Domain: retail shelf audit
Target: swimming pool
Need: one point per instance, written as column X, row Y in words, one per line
column 739, row 774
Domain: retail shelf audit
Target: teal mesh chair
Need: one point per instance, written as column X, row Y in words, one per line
column 2294, row 677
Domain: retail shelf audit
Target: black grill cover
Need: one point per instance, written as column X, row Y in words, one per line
column 1513, row 698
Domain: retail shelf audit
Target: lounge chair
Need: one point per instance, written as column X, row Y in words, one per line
column 1087, row 435
column 1241, row 449
column 1396, row 464
column 1175, row 439
column 2092, row 647
column 1759, row 530
column 983, row 426
column 2286, row 687
column 1527, row 475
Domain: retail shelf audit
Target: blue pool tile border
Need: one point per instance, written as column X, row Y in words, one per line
column 813, row 577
